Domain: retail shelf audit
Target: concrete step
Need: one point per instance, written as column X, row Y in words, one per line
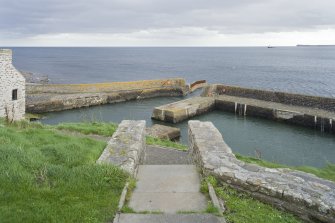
column 168, row 189
column 156, row 155
column 169, row 218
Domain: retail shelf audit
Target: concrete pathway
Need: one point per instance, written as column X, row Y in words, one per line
column 168, row 189
column 157, row 155
column 168, row 185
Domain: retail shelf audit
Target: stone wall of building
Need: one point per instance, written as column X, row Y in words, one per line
column 273, row 96
column 307, row 196
column 12, row 105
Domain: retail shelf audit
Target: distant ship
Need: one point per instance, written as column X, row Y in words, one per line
column 271, row 47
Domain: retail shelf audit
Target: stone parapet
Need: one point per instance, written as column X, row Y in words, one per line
column 127, row 146
column 307, row 196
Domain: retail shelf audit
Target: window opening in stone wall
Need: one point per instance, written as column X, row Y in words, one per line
column 14, row 95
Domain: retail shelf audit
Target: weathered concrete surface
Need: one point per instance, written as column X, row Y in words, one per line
column 168, row 188
column 185, row 109
column 169, row 218
column 127, row 146
column 164, row 132
column 11, row 80
column 58, row 97
column 157, row 155
column 307, row 196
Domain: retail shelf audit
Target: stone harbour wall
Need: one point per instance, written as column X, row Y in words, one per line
column 305, row 195
column 49, row 98
column 11, row 79
column 127, row 146
column 273, row 96
column 105, row 87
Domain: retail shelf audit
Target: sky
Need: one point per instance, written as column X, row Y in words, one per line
column 166, row 22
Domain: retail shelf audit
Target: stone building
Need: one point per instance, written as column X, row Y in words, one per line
column 12, row 88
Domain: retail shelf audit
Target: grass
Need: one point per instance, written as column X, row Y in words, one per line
column 96, row 128
column 49, row 177
column 107, row 129
column 327, row 172
column 241, row 208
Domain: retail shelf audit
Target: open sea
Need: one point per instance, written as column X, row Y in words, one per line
column 306, row 70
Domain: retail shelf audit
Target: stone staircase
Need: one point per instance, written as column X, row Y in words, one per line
column 169, row 187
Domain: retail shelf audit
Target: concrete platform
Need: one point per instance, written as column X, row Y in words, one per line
column 169, row 218
column 168, row 189
column 156, row 155
column 183, row 110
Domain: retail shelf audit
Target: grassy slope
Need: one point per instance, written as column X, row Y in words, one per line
column 49, row 177
column 241, row 208
column 107, row 129
column 327, row 172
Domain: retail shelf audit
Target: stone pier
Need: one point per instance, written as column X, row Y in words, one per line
column 307, row 196
column 185, row 109
column 304, row 110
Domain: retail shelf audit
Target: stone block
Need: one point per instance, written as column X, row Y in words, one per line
column 163, row 132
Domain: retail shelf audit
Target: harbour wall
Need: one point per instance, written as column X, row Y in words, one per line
column 304, row 110
column 323, row 103
column 58, row 97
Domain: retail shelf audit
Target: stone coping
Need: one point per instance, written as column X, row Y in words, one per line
column 307, row 196
column 127, row 146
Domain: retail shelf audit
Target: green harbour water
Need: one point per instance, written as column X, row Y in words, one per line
column 273, row 141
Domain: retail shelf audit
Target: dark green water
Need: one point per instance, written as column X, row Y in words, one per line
column 277, row 142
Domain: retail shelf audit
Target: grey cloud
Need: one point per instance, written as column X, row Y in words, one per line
column 33, row 17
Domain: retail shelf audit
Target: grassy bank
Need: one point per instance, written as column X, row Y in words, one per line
column 241, row 208
column 108, row 128
column 327, row 172
column 49, row 177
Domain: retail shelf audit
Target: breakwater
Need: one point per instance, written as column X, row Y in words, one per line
column 58, row 97
column 309, row 111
